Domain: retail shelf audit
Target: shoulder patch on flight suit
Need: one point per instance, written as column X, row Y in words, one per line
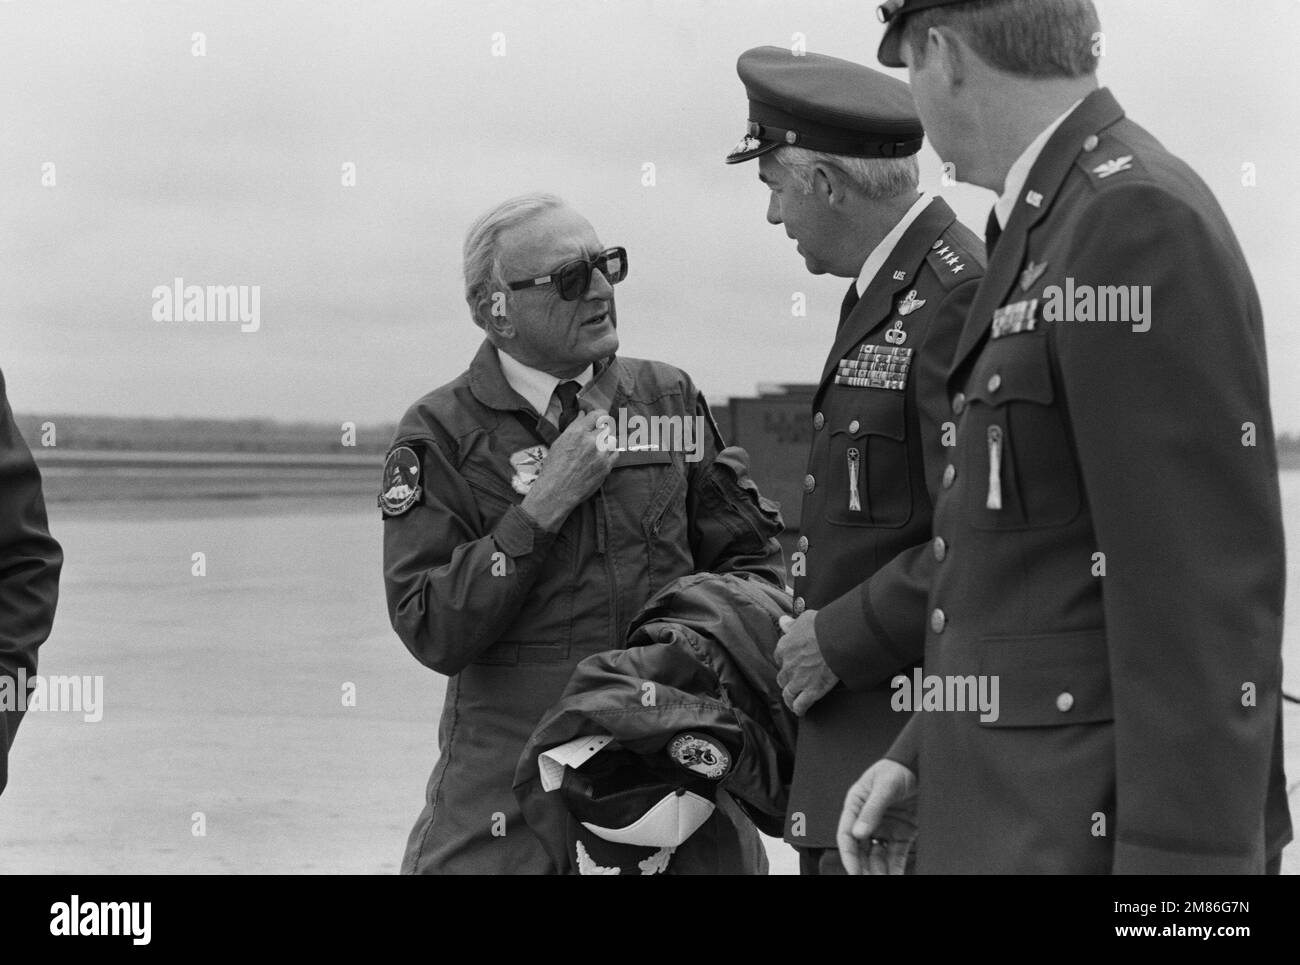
column 400, row 487
column 951, row 262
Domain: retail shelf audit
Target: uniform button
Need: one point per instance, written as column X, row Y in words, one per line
column 995, row 382
column 1090, row 142
column 854, row 426
column 819, row 420
column 803, row 544
column 940, row 548
column 959, row 403
column 809, row 483
column 799, row 605
column 938, row 620
column 949, row 474
column 1065, row 701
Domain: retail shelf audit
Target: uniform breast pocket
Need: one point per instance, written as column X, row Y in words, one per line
column 1019, row 463
column 646, row 497
column 869, row 477
column 1048, row 680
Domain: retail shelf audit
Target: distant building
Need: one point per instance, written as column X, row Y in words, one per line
column 776, row 429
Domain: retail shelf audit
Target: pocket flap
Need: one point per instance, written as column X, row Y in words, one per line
column 1015, row 368
column 1050, row 679
column 878, row 416
column 642, row 457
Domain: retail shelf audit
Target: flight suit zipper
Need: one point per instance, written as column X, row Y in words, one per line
column 994, row 500
column 854, row 459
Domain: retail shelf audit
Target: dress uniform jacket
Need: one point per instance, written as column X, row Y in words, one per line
column 30, row 561
column 478, row 592
column 877, row 422
column 1111, row 536
column 705, row 644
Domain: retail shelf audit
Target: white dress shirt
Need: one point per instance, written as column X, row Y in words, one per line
column 537, row 387
column 1019, row 173
column 876, row 260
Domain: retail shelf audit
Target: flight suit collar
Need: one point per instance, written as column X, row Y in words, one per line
column 488, row 385
column 1098, row 111
column 898, row 272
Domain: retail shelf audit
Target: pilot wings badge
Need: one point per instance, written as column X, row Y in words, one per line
column 527, row 464
column 910, row 304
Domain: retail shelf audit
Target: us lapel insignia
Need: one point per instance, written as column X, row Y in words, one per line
column 1114, row 166
column 1034, row 199
column 896, row 335
column 1031, row 274
column 401, row 481
column 899, row 275
column 910, row 304
column 1015, row 318
column 527, row 464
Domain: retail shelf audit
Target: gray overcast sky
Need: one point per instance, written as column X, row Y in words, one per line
column 225, row 169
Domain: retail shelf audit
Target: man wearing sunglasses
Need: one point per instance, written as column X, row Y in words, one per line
column 518, row 540
column 835, row 144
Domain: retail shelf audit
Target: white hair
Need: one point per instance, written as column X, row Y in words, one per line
column 482, row 253
column 879, row 178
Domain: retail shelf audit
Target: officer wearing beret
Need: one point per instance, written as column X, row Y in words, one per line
column 30, row 561
column 1109, row 523
column 835, row 144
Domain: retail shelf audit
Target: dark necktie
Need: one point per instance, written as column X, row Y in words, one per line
column 567, row 393
column 992, row 232
column 850, row 300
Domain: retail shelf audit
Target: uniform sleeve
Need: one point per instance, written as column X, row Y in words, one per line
column 452, row 589
column 906, row 749
column 1188, row 520
column 878, row 628
column 733, row 528
column 30, row 561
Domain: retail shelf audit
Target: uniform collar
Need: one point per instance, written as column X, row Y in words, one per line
column 489, row 385
column 880, row 254
column 1048, row 174
column 899, row 273
column 1019, row 172
column 534, row 385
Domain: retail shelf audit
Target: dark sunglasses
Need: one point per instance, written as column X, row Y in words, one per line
column 573, row 278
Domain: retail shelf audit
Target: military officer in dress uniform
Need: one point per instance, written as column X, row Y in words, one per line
column 30, row 561
column 1109, row 522
column 520, row 535
column 835, row 144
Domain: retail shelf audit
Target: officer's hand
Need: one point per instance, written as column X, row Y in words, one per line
column 574, row 468
column 878, row 824
column 804, row 677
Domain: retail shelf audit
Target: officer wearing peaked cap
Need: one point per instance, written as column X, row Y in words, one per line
column 835, row 145
column 1109, row 524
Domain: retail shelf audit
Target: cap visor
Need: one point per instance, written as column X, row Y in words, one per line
column 889, row 53
column 749, row 148
column 666, row 825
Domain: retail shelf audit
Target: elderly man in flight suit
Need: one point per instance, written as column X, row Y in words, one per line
column 1110, row 517
column 30, row 561
column 835, row 143
column 519, row 538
